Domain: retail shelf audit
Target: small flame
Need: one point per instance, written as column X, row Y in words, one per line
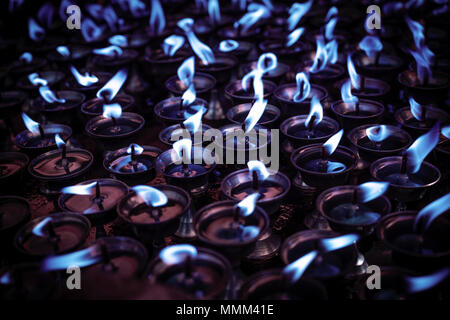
column 416, row 109
column 378, row 133
column 112, row 87
column 13, row 6
column 295, row 270
column 371, row 190
column 157, row 18
column 354, row 77
column 248, row 205
column 432, row 211
column 194, row 122
column 422, row 283
column 214, row 12
column 259, row 168
column 183, row 146
column 137, row 8
column 303, row 87
column 371, row 45
column 151, row 196
column 315, row 111
column 203, row 52
column 332, row 51
column 59, row 142
column 249, row 232
column 331, row 144
column 45, row 14
column 80, row 189
column 39, row 229
column 255, row 12
column 417, row 31
column 113, row 110
column 110, row 51
column 189, row 96
column 36, row 80
column 423, row 57
column 346, row 93
column 36, row 32
column 255, row 114
column 118, row 40
column 95, row 10
column 63, row 50
column 84, row 80
column 331, row 244
column 296, row 13
column 446, row 131
column 49, row 96
column 6, row 278
column 90, row 30
column 333, row 12
column 321, row 57
column 26, row 57
column 294, row 36
column 31, row 125
column 186, row 71
column 177, row 253
column 82, row 258
column 137, row 149
column 419, row 150
column 228, row 45
column 329, row 28
column 171, row 44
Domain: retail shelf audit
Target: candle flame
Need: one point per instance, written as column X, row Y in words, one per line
column 446, row 131
column 416, row 109
column 416, row 30
column 432, row 211
column 85, row 79
column 255, row 113
column 332, row 143
column 228, row 45
column 422, row 283
column 259, row 168
column 248, row 204
column 90, row 31
column 80, row 189
column 296, row 13
column 31, row 125
column 329, row 28
column 36, row 80
column 35, row 31
column 266, row 63
column 137, row 149
column 82, row 258
column 112, row 87
column 371, row 45
column 255, row 13
column 113, row 110
column 354, row 76
column 303, row 87
column 214, row 12
column 48, row 95
column 110, row 51
column 325, row 53
column 59, row 142
column 419, row 150
column 171, row 44
column 118, row 40
column 315, row 111
column 296, row 269
column 151, row 196
column 423, row 57
column 39, row 229
column 331, row 244
column 378, row 133
column 194, row 122
column 157, row 19
column 63, row 50
column 203, row 52
column 371, row 190
column 294, row 36
column 183, row 146
column 346, row 93
column 249, row 232
column 26, row 57
column 177, row 253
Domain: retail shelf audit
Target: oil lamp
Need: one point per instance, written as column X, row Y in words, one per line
column 417, row 118
column 58, row 168
column 133, row 165
column 409, row 175
column 94, row 199
column 120, row 256
column 53, row 234
column 308, row 129
column 296, row 98
column 39, row 138
column 12, row 168
column 154, row 212
column 186, row 166
column 354, row 208
column 324, row 165
column 203, row 273
column 419, row 240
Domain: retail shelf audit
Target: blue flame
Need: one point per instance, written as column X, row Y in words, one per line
column 171, row 44
column 296, row 13
column 110, row 51
column 346, row 93
column 332, row 143
column 49, row 96
column 255, row 113
column 249, row 232
column 329, row 28
column 331, row 244
column 63, row 9
column 214, row 12
column 432, row 211
column 59, row 142
column 419, row 150
column 372, row 190
column 82, row 258
column 63, row 50
column 255, row 12
column 111, row 18
column 303, row 87
column 295, row 270
column 378, row 133
column 26, row 57
column 112, row 87
column 113, row 110
column 157, row 18
column 194, row 122
column 422, row 283
column 316, row 110
column 446, row 131
column 417, row 31
column 39, row 229
column 36, row 80
column 177, row 253
column 203, row 52
column 35, row 31
column 45, row 14
column 322, row 56
column 266, row 62
column 294, row 36
column 186, row 71
column 371, row 45
column 332, row 51
column 137, row 8
column 14, row 5
column 259, row 168
column 228, row 45
column 80, row 189
column 137, row 149
column 31, row 125
column 90, row 31
column 183, row 146
column 423, row 57
column 84, row 80
column 332, row 12
column 95, row 11
column 416, row 109
column 118, row 40
column 354, row 77
column 151, row 196
column 6, row 278
column 248, row 204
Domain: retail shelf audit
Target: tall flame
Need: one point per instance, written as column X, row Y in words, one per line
column 354, row 76
column 259, row 168
column 49, row 96
column 329, row 28
column 371, row 190
column 171, row 44
column 112, row 87
column 157, row 18
column 214, row 12
column 321, row 57
column 423, row 57
column 183, row 146
column 82, row 258
column 332, row 143
column 228, row 45
column 378, row 133
column 416, row 109
column 113, row 110
column 266, row 62
column 85, row 79
column 295, row 270
column 177, row 253
column 31, row 125
column 36, row 80
column 194, row 122
column 203, row 52
column 432, row 211
column 255, row 12
column 315, row 111
column 346, row 93
column 186, row 71
column 80, row 189
column 419, row 150
column 371, row 45
column 248, row 204
column 303, row 87
column 35, row 31
column 296, row 13
column 416, row 30
column 151, row 196
column 294, row 36
column 422, row 283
